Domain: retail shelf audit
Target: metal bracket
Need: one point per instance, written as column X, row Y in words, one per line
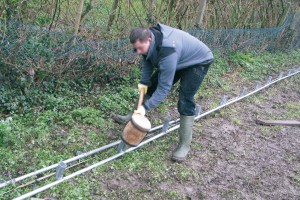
column 166, row 124
column 198, row 110
column 60, row 170
column 258, row 85
column 10, row 177
column 121, row 147
column 165, row 129
column 244, row 91
column 269, row 80
column 223, row 100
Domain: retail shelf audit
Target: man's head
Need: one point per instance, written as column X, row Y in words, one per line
column 140, row 39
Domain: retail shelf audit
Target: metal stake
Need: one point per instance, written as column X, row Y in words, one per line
column 269, row 80
column 244, row 91
column 258, row 85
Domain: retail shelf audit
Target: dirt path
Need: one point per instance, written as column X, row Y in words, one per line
column 242, row 160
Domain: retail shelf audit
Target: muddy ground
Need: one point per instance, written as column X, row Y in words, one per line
column 231, row 156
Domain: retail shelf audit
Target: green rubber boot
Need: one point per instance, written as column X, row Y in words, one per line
column 123, row 119
column 185, row 138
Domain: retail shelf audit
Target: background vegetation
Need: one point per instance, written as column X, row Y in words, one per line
column 46, row 45
column 115, row 18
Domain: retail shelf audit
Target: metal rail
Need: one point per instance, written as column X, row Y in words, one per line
column 296, row 71
column 83, row 155
column 121, row 153
column 43, row 178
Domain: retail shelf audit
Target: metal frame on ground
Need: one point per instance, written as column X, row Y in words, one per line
column 121, row 146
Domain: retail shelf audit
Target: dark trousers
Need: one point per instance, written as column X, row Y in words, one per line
column 190, row 81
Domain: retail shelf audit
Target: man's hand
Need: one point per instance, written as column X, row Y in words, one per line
column 142, row 87
column 141, row 111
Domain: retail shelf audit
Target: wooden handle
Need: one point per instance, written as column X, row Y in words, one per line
column 278, row 122
column 141, row 98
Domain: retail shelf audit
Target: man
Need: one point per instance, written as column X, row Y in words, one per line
column 176, row 55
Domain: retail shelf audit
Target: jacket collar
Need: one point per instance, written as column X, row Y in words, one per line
column 166, row 30
column 152, row 46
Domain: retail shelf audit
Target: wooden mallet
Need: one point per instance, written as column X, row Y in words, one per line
column 137, row 128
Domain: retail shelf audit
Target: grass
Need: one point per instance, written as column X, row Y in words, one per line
column 293, row 110
column 66, row 125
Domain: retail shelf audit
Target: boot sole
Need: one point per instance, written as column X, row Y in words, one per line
column 177, row 159
column 118, row 120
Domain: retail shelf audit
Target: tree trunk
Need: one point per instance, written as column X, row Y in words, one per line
column 54, row 14
column 202, row 6
column 112, row 14
column 285, row 13
column 295, row 27
column 87, row 10
column 78, row 17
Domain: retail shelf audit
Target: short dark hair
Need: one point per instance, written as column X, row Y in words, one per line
column 141, row 34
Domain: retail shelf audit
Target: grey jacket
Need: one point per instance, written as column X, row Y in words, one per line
column 176, row 50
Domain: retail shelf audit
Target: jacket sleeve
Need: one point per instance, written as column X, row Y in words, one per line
column 167, row 68
column 147, row 70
